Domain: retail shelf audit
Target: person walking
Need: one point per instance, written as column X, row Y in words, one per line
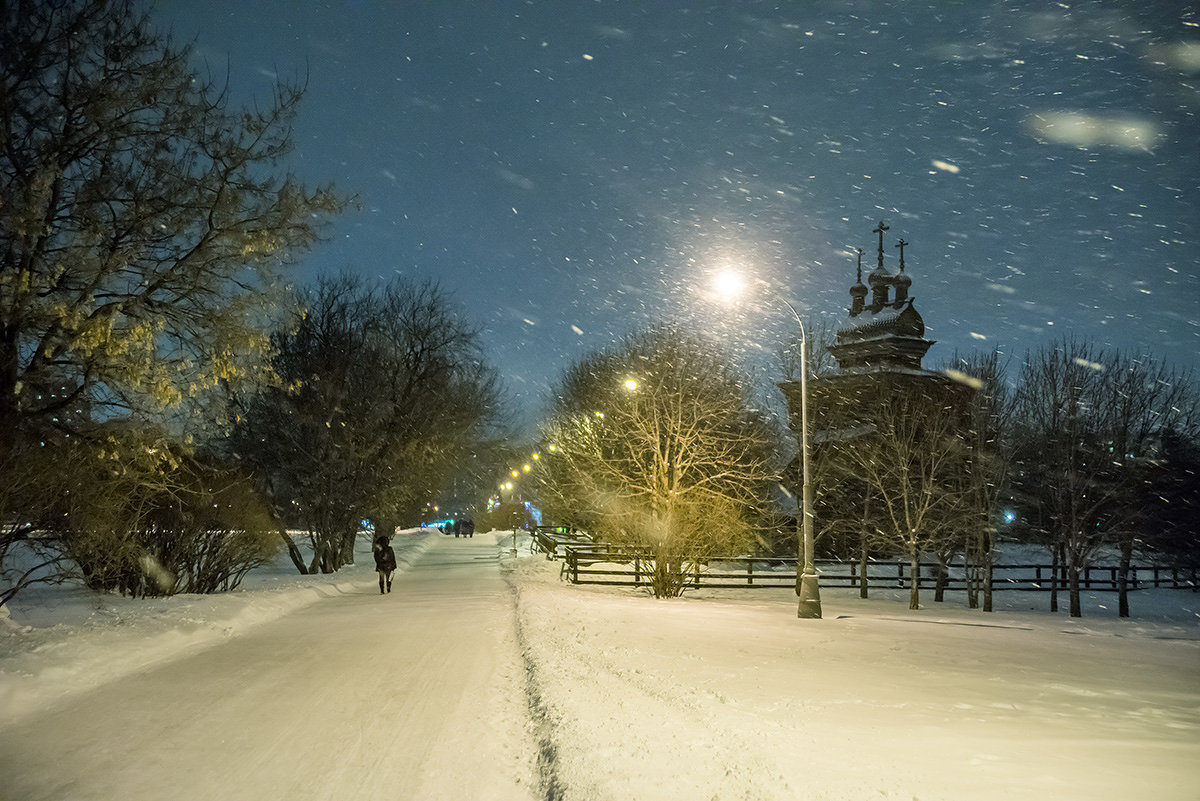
column 385, row 562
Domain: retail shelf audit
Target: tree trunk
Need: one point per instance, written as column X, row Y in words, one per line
column 914, row 580
column 8, row 393
column 971, row 571
column 862, row 539
column 943, row 575
column 989, row 561
column 293, row 552
column 1055, row 567
column 1123, row 575
column 862, row 568
column 345, row 554
column 1074, row 569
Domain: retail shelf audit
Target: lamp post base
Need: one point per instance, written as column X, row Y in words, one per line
column 810, row 597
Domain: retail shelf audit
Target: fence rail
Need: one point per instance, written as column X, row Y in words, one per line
column 601, row 564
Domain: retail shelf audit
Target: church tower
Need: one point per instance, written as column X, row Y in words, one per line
column 879, row 348
column 889, row 334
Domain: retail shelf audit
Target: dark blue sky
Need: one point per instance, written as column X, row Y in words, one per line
column 573, row 170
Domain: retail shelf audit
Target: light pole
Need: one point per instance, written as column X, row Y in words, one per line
column 808, row 588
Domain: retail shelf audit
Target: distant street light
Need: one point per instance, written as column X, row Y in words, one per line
column 808, row 587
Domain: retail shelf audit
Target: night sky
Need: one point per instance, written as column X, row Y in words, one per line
column 571, row 171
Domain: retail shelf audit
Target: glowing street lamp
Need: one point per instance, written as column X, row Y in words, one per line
column 728, row 284
column 808, row 588
column 631, row 384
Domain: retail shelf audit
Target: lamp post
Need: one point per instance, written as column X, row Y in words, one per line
column 808, row 588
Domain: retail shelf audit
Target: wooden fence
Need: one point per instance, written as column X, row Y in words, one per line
column 603, row 564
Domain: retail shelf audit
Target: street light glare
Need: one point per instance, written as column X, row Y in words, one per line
column 728, row 284
column 630, row 384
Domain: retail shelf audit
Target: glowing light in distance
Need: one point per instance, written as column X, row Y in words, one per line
column 728, row 284
column 631, row 384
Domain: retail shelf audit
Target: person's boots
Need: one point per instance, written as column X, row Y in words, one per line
column 381, row 585
column 389, row 586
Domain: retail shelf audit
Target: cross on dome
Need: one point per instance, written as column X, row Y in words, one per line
column 880, row 231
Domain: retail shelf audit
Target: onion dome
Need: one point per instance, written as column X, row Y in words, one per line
column 858, row 292
column 902, row 281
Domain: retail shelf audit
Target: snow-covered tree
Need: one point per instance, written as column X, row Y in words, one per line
column 912, row 464
column 656, row 445
column 141, row 220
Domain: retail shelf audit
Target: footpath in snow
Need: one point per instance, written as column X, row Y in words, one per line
column 502, row 682
column 415, row 694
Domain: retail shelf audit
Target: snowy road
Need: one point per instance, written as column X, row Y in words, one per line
column 418, row 694
column 484, row 676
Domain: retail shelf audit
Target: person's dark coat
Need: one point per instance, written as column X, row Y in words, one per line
column 385, row 557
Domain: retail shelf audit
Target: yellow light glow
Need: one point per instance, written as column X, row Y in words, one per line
column 526, row 468
column 516, row 473
column 631, row 384
column 728, row 284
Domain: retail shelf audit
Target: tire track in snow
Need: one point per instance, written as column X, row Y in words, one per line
column 549, row 783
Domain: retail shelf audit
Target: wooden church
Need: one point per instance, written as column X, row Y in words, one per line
column 879, row 348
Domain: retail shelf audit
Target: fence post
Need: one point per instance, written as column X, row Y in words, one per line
column 750, row 572
column 900, row 575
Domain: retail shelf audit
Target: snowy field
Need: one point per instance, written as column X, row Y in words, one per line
column 605, row 693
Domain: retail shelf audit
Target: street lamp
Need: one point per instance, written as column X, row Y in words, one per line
column 808, row 588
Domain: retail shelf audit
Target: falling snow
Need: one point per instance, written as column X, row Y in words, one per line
column 1046, row 151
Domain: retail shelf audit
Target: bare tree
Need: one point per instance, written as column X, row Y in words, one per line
column 1149, row 400
column 1062, row 458
column 1090, row 423
column 988, row 438
column 655, row 445
column 384, row 394
column 913, row 465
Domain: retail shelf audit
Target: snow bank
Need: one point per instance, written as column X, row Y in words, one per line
column 61, row 640
column 725, row 694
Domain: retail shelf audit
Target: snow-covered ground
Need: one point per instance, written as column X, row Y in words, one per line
column 532, row 688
